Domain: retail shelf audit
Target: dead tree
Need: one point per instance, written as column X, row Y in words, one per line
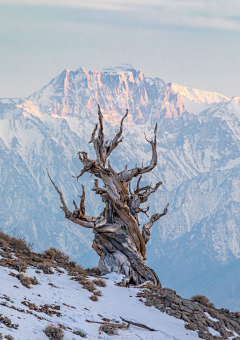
column 118, row 239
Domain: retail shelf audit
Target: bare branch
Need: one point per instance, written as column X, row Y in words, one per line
column 75, row 216
column 93, row 134
column 64, row 206
column 100, row 191
column 114, row 143
column 146, row 227
column 138, row 185
column 82, row 200
column 148, row 190
column 88, row 165
column 127, row 175
column 144, row 210
column 100, row 118
column 138, row 324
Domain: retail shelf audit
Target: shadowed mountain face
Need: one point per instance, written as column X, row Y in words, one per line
column 199, row 164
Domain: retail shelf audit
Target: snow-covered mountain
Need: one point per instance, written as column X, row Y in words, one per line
column 197, row 100
column 199, row 164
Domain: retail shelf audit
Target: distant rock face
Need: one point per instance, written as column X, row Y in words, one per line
column 75, row 93
column 199, row 164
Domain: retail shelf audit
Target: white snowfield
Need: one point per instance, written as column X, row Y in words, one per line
column 115, row 302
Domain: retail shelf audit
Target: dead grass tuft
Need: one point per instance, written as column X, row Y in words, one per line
column 99, row 282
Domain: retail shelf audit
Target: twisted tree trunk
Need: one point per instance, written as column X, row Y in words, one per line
column 118, row 239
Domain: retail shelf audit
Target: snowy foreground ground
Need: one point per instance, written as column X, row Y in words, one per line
column 115, row 302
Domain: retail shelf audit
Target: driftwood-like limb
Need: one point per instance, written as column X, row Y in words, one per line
column 141, row 325
column 121, row 326
column 146, row 228
column 118, row 239
column 114, row 324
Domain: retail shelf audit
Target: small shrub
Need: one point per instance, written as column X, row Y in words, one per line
column 79, row 278
column 60, row 257
column 93, row 271
column 237, row 314
column 19, row 266
column 108, row 329
column 83, row 335
column 46, row 267
column 9, row 337
column 25, row 280
column 51, row 253
column 20, row 244
column 79, row 269
column 99, row 282
column 4, row 236
column 7, row 322
column 34, row 281
column 97, row 293
column 72, row 264
column 3, row 243
column 89, row 285
column 203, row 300
column 93, row 297
column 57, row 255
column 53, row 333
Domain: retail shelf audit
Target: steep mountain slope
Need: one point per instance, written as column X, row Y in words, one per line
column 198, row 163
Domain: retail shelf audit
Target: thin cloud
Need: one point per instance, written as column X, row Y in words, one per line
column 208, row 14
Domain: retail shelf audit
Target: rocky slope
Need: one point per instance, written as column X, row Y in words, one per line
column 198, row 164
column 48, row 296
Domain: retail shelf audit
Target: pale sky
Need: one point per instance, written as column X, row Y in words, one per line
column 194, row 43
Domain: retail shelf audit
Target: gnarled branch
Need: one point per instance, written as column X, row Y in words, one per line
column 78, row 215
column 103, row 149
column 127, row 175
column 148, row 190
column 146, row 227
column 114, row 143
